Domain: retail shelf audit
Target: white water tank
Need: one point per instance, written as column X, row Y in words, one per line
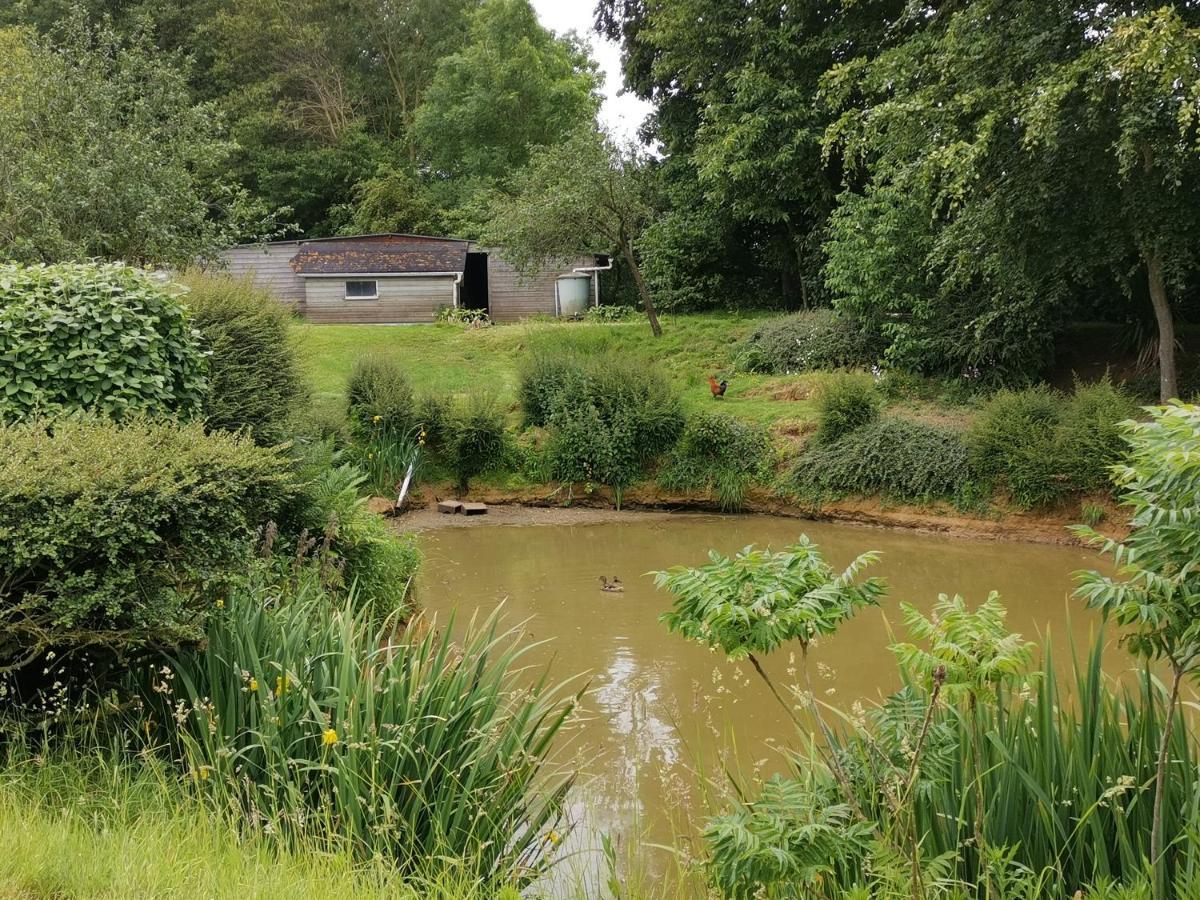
column 573, row 292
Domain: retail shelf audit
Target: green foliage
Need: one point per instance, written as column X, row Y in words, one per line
column 96, row 338
column 1043, row 446
column 359, row 549
column 845, row 403
column 789, row 837
column 757, row 600
column 609, row 416
column 96, row 165
column 78, row 820
column 721, row 455
column 474, row 439
column 897, row 458
column 513, row 85
column 463, row 316
column 608, row 313
column 379, row 395
column 1154, row 594
column 317, row 723
column 122, row 536
column 971, row 650
column 254, row 375
column 585, row 192
column 804, row 341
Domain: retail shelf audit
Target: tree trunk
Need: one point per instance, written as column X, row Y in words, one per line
column 1168, row 378
column 1160, row 780
column 643, row 291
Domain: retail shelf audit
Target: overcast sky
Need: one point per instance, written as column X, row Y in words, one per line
column 621, row 115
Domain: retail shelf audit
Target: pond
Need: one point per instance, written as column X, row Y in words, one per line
column 661, row 708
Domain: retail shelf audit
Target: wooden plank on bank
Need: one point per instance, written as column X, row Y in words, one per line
column 449, row 507
column 474, row 509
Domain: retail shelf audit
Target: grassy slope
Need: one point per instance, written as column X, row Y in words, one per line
column 451, row 358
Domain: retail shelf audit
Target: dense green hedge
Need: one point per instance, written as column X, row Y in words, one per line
column 254, row 375
column 123, row 535
column 94, row 337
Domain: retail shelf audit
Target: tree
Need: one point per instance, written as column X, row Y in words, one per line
column 1126, row 109
column 1037, row 151
column 103, row 153
column 513, row 86
column 583, row 193
column 1155, row 596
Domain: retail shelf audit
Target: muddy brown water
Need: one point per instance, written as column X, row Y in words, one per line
column 662, row 709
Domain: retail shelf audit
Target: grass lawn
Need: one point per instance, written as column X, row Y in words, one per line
column 455, row 359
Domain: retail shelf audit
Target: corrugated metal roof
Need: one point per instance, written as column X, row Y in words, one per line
column 379, row 255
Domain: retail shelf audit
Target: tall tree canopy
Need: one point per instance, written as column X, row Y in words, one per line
column 512, row 87
column 104, row 152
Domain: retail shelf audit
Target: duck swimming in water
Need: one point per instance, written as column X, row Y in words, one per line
column 611, row 586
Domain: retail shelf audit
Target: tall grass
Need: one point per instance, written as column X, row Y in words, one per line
column 109, row 824
column 311, row 720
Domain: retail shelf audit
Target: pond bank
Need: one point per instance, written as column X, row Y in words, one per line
column 534, row 506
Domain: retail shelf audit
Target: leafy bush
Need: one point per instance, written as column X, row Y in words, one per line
column 608, row 416
column 379, row 395
column 94, row 337
column 803, row 341
column 1042, row 445
column 254, row 375
column 318, row 722
column 122, row 536
column 720, row 454
column 474, row 437
column 845, row 403
column 899, row 458
column 359, row 548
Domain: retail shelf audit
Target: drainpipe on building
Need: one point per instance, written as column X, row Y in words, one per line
column 457, row 281
column 594, row 271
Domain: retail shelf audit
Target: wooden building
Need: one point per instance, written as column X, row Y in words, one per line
column 399, row 278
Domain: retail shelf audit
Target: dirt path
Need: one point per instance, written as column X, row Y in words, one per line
column 537, row 506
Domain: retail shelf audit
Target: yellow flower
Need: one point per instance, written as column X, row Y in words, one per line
column 376, row 418
column 554, row 838
column 329, row 738
column 370, row 456
column 220, row 603
column 253, row 685
column 279, row 685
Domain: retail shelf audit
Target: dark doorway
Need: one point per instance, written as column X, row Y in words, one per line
column 475, row 282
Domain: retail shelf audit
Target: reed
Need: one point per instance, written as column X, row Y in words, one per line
column 315, row 722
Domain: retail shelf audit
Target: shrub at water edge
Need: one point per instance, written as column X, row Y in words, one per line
column 719, row 454
column 1042, row 446
column 900, row 459
column 94, row 337
column 474, row 437
column 122, row 536
column 254, row 376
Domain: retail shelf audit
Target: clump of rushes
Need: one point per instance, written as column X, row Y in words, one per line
column 313, row 721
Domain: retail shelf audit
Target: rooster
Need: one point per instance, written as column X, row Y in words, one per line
column 717, row 387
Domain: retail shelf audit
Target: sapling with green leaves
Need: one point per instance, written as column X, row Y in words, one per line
column 1155, row 594
column 971, row 655
column 759, row 600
